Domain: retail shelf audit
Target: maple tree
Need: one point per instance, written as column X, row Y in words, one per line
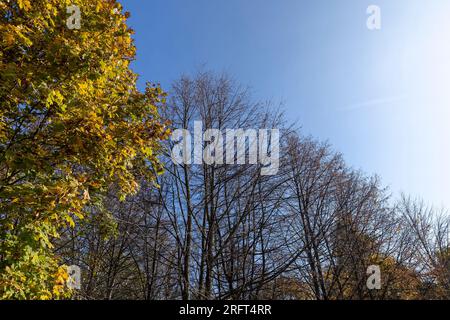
column 72, row 124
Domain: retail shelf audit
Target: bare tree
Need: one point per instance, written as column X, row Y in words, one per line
column 225, row 231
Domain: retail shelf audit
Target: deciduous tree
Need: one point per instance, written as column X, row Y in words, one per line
column 72, row 124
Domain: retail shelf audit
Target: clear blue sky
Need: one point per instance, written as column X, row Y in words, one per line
column 379, row 97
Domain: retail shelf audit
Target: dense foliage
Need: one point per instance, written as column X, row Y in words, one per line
column 72, row 124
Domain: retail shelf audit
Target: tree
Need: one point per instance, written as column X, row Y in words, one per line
column 429, row 231
column 72, row 124
column 224, row 217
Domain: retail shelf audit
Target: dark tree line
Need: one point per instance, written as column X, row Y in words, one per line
column 227, row 232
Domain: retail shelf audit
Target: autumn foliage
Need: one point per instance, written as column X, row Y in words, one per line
column 72, row 124
column 82, row 153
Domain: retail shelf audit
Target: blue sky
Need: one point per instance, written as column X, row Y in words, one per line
column 379, row 97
